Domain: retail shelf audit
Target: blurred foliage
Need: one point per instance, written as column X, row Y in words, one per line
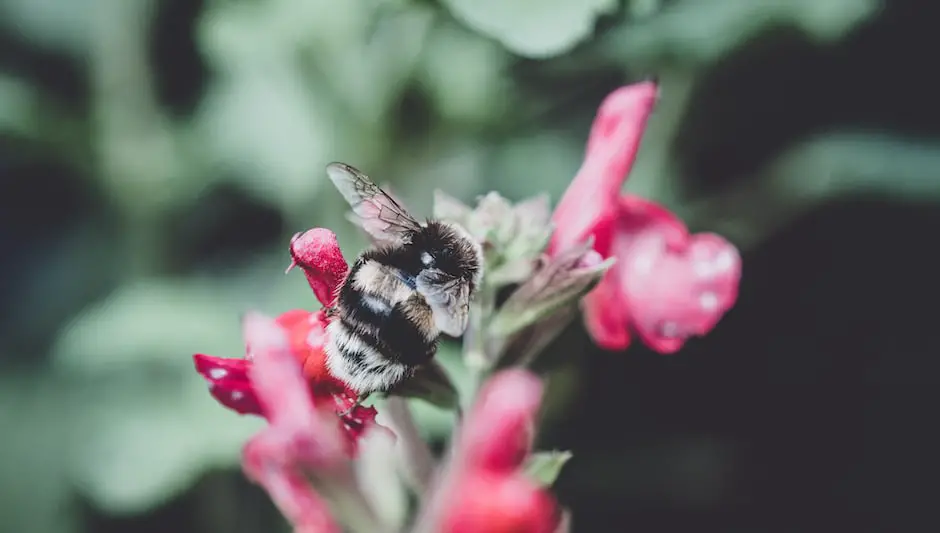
column 157, row 156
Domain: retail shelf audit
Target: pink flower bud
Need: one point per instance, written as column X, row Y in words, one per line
column 499, row 430
column 491, row 503
column 317, row 253
column 483, row 489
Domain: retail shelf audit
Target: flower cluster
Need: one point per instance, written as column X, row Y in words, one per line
column 668, row 285
column 629, row 264
column 318, row 254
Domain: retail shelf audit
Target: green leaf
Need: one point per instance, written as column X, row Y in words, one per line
column 698, row 33
column 138, row 411
column 129, row 329
column 544, row 467
column 34, row 422
column 532, row 28
column 139, row 443
column 560, row 281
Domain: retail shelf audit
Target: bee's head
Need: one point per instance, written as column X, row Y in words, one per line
column 449, row 249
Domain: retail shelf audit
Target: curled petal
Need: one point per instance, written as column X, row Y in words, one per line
column 317, row 253
column 606, row 315
column 500, row 428
column 674, row 285
column 492, row 503
column 303, row 440
column 589, row 205
column 229, row 383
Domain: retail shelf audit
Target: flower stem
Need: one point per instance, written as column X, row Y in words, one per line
column 475, row 354
column 350, row 505
column 418, row 459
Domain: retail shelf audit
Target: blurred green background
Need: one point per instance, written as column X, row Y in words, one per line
column 156, row 157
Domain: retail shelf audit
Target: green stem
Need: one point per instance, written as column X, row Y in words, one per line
column 475, row 343
column 417, row 457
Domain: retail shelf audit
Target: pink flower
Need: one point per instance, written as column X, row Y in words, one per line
column 484, row 489
column 231, row 381
column 300, row 438
column 317, row 253
column 501, row 504
column 667, row 284
column 500, row 428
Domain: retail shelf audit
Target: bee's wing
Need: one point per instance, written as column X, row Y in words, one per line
column 380, row 215
column 449, row 299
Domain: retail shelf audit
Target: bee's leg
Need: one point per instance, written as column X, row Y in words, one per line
column 355, row 404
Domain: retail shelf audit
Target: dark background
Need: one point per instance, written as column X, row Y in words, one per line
column 155, row 158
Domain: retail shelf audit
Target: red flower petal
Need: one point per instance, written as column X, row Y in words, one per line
column 287, row 487
column 589, row 205
column 229, row 383
column 357, row 421
column 293, row 391
column 606, row 316
column 307, row 336
column 230, row 380
column 483, row 489
column 317, row 252
column 301, row 438
column 666, row 285
column 499, row 429
column 285, row 396
column 672, row 285
column 489, row 503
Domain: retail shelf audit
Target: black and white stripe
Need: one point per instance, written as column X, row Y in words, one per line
column 384, row 328
column 362, row 367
